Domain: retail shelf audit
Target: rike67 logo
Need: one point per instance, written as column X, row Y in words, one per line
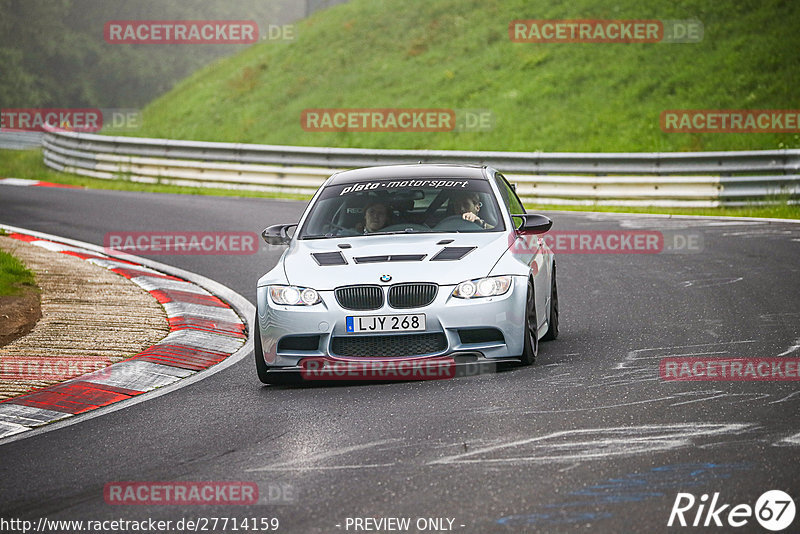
column 774, row 510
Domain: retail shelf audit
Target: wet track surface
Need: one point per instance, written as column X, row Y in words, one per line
column 590, row 436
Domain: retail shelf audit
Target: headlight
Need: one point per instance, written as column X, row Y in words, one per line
column 483, row 287
column 294, row 296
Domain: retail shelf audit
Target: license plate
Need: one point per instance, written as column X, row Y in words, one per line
column 385, row 323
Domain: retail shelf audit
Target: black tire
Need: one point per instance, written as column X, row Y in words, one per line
column 531, row 342
column 275, row 377
column 552, row 318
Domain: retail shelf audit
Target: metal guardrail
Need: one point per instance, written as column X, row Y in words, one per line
column 664, row 179
column 20, row 140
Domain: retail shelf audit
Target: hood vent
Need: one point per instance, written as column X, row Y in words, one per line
column 389, row 258
column 329, row 258
column 452, row 253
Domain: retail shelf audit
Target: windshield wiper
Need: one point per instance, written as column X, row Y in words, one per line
column 409, row 231
column 326, row 236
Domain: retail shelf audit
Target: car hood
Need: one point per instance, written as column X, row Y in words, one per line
column 371, row 257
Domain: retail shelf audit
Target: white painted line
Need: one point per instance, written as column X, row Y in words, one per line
column 684, row 224
column 141, row 268
column 58, row 247
column 109, row 264
column 28, row 415
column 18, row 181
column 148, row 283
column 115, row 264
column 759, row 232
column 616, row 214
column 137, row 375
column 183, row 309
column 203, row 340
column 791, row 440
column 9, row 429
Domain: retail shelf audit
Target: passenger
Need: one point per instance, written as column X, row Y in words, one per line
column 468, row 204
column 376, row 216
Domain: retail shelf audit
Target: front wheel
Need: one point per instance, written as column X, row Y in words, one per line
column 531, row 342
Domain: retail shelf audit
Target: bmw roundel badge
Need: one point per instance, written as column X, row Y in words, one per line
column 386, row 278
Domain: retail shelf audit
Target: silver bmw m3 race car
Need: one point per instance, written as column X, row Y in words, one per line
column 398, row 266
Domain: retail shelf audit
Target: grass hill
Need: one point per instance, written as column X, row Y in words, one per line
column 457, row 54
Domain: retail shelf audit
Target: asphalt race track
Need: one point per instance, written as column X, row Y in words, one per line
column 588, row 439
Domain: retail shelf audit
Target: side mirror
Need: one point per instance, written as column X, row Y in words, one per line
column 277, row 234
column 533, row 223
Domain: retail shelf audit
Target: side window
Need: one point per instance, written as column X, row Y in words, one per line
column 510, row 197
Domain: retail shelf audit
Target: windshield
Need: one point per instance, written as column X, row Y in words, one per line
column 422, row 205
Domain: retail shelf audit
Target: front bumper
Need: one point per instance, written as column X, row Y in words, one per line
column 446, row 317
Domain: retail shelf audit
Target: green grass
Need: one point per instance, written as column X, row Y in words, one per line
column 457, row 54
column 14, row 276
column 28, row 164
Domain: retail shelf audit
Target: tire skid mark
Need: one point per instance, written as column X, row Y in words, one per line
column 704, row 283
column 635, row 357
column 793, row 440
column 306, row 463
column 594, row 444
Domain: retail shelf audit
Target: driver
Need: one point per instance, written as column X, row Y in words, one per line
column 376, row 216
column 468, row 204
